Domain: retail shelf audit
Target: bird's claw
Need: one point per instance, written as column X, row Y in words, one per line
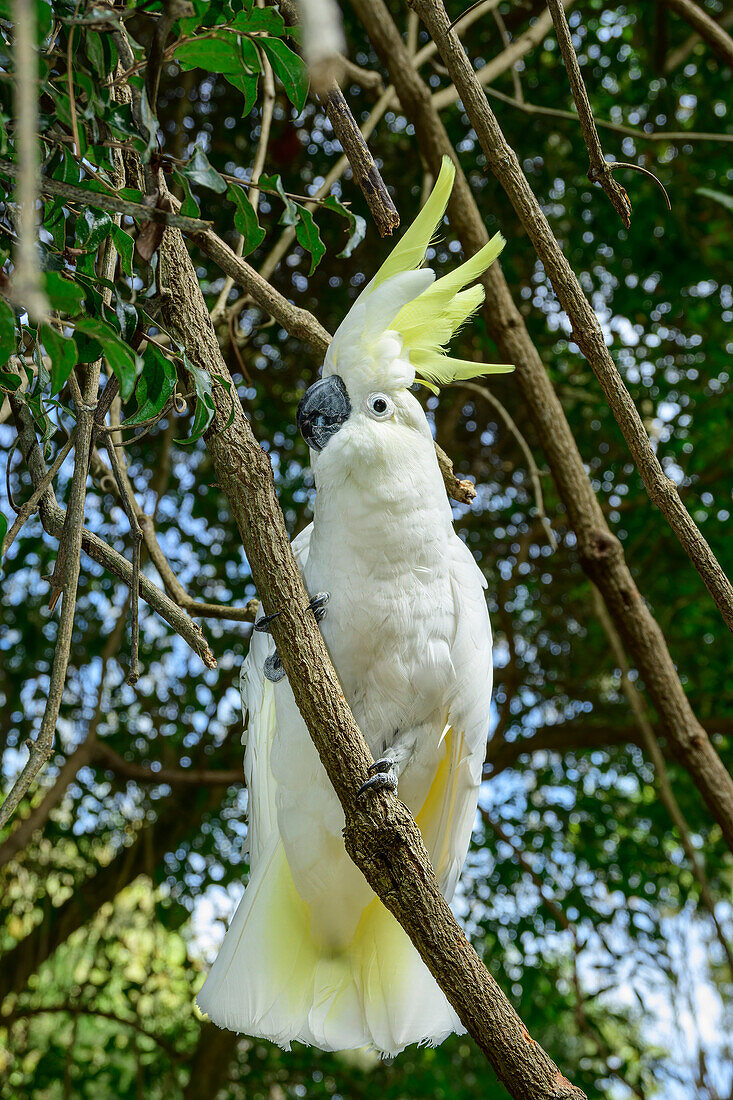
column 382, row 777
column 263, row 625
column 318, row 605
column 273, row 668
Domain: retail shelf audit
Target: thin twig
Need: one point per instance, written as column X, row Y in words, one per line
column 70, row 81
column 106, row 757
column 273, row 258
column 53, row 518
column 102, row 1014
column 598, row 171
column 616, row 127
column 177, row 592
column 129, row 506
column 81, row 755
column 30, row 506
column 503, row 61
column 109, row 202
column 506, row 41
column 651, row 744
column 534, row 473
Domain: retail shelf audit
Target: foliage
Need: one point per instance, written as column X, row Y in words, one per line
column 595, row 983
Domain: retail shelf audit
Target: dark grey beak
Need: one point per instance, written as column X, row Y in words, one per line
column 323, row 409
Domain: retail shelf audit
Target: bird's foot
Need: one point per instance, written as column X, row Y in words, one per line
column 383, row 777
column 263, row 625
column 273, row 668
column 318, row 605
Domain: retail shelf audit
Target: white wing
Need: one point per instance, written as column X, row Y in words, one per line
column 446, row 819
column 258, row 707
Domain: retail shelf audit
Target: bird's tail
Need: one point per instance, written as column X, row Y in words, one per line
column 271, row 979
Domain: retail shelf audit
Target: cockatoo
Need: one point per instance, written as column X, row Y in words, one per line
column 311, row 953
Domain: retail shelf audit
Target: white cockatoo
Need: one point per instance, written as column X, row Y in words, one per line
column 311, row 953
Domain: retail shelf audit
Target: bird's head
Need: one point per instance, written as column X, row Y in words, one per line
column 361, row 413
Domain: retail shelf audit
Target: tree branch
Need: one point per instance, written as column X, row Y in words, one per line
column 503, row 61
column 656, row 756
column 366, row 173
column 53, row 517
column 599, row 171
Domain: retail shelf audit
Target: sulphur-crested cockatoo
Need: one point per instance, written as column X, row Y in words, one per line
column 311, row 954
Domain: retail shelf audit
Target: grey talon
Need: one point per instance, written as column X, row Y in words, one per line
column 384, row 764
column 318, row 605
column 263, row 624
column 382, row 781
column 273, row 668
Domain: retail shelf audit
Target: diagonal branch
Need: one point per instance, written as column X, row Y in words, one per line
column 599, row 170
column 53, row 517
column 366, row 173
column 499, row 64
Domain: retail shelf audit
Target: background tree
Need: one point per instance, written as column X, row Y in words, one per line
column 598, row 888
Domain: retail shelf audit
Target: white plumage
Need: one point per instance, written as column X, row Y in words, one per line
column 311, row 954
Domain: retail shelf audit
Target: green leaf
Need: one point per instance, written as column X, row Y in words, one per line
column 245, row 219
column 717, row 196
column 3, row 531
column 205, row 409
column 275, row 184
column 308, row 236
column 246, row 83
column 63, row 294
column 216, row 55
column 357, row 225
column 290, row 68
column 7, row 331
column 198, row 170
column 189, row 207
column 95, row 52
column 155, row 385
column 125, row 246
column 92, row 227
column 127, row 317
column 120, row 358
column 260, row 19
column 63, row 355
column 150, row 123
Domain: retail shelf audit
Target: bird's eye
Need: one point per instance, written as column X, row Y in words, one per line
column 379, row 406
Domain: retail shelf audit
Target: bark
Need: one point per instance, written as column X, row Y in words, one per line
column 600, row 552
column 381, row 836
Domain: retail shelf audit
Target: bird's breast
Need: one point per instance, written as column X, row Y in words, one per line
column 389, row 627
